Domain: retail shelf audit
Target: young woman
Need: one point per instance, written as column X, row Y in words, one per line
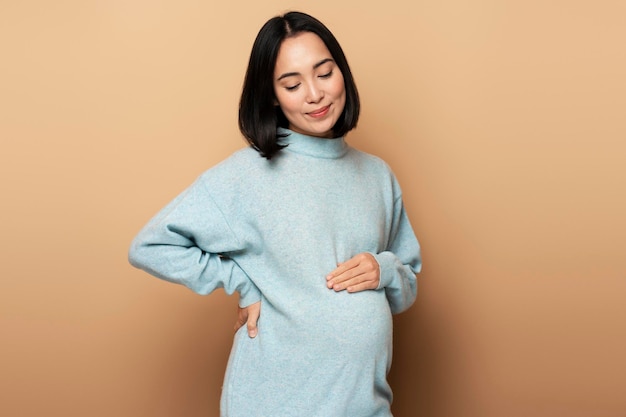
column 310, row 232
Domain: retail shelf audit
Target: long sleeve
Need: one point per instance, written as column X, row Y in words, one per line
column 188, row 242
column 272, row 230
column 400, row 263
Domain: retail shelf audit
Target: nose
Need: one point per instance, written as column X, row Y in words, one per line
column 314, row 93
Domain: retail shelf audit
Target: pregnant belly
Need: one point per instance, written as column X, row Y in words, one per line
column 343, row 323
column 332, row 349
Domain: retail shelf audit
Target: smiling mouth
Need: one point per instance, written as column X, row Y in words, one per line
column 319, row 112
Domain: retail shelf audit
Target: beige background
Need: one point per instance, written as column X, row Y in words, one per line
column 504, row 121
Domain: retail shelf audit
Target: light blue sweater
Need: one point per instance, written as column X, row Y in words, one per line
column 272, row 231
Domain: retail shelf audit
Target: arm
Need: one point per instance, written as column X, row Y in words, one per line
column 393, row 270
column 400, row 263
column 188, row 243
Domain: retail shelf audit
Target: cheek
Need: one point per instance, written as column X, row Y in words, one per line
column 340, row 96
column 338, row 88
column 286, row 102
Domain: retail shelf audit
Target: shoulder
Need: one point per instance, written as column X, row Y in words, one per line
column 234, row 167
column 369, row 161
column 376, row 167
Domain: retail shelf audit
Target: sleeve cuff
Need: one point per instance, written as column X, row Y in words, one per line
column 248, row 292
column 386, row 265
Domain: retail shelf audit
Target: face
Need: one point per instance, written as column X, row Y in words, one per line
column 308, row 85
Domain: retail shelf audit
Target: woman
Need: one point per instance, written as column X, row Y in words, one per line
column 309, row 231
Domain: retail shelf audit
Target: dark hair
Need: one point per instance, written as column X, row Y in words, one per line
column 259, row 117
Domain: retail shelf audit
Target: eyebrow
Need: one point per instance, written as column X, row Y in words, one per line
column 316, row 66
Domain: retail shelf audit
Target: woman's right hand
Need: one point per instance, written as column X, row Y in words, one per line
column 250, row 317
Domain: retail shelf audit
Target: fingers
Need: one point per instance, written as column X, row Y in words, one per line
column 345, row 267
column 358, row 283
column 242, row 317
column 254, row 311
column 363, row 286
column 250, row 317
column 359, row 273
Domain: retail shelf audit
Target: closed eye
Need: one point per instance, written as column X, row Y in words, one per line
column 324, row 76
column 292, row 87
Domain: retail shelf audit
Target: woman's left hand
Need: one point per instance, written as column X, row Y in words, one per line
column 359, row 273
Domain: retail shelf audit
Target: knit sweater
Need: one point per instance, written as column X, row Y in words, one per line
column 272, row 230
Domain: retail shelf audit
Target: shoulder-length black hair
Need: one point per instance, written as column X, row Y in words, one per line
column 259, row 116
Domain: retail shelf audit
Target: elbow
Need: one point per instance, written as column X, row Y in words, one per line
column 137, row 254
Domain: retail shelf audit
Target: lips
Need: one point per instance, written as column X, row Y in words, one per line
column 321, row 112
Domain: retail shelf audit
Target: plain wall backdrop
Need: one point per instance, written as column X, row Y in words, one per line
column 505, row 122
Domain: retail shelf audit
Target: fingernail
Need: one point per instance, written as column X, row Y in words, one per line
column 252, row 334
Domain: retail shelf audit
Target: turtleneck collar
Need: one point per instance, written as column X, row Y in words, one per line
column 313, row 146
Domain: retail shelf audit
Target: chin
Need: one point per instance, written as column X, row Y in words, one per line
column 322, row 130
column 326, row 132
